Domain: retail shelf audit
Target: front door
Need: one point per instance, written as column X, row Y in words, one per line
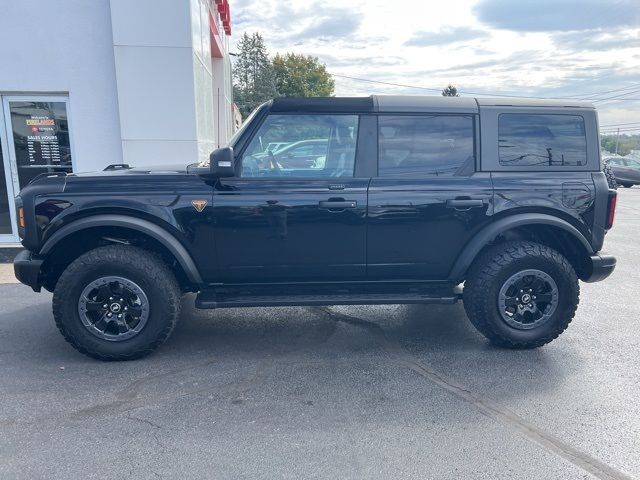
column 282, row 221
column 427, row 200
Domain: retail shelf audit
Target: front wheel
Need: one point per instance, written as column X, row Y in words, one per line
column 116, row 303
column 521, row 294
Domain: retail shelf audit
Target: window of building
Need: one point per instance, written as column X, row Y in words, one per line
column 307, row 146
column 541, row 140
column 424, row 145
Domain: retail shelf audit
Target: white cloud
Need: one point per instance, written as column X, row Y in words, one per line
column 490, row 46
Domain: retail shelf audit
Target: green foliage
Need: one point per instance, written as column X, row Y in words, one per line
column 253, row 75
column 257, row 79
column 626, row 143
column 450, row 91
column 301, row 76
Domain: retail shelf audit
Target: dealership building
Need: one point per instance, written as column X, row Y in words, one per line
column 85, row 84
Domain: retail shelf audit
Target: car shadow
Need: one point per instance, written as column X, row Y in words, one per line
column 439, row 337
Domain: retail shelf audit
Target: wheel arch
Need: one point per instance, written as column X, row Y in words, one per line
column 543, row 228
column 121, row 222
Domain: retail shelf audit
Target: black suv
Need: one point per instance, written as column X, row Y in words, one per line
column 402, row 201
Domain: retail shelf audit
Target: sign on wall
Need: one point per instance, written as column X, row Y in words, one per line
column 40, row 138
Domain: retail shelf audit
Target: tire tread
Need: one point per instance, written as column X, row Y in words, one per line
column 485, row 270
column 147, row 264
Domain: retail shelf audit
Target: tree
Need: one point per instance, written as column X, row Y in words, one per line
column 301, row 76
column 254, row 79
column 626, row 143
column 450, row 91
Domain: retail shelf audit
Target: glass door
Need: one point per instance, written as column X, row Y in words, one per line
column 38, row 136
column 7, row 210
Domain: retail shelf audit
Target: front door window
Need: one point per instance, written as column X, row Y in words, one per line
column 314, row 146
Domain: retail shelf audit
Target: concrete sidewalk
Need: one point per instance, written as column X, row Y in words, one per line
column 6, row 273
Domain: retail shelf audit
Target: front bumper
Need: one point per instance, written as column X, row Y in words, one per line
column 27, row 269
column 601, row 267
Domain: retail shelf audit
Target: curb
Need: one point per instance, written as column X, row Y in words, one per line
column 7, row 254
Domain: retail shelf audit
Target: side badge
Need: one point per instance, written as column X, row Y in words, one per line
column 199, row 204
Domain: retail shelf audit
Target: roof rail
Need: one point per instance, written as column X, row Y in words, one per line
column 117, row 166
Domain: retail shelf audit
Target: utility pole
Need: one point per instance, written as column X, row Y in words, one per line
column 617, row 138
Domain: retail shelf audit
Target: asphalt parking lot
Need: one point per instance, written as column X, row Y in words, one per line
column 360, row 392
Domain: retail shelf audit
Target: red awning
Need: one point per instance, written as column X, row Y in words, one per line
column 225, row 15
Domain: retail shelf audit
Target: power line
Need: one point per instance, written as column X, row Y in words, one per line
column 466, row 92
column 586, row 96
column 386, row 83
column 439, row 90
column 620, row 124
column 620, row 130
column 620, row 95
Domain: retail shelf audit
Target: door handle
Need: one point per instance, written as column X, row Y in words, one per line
column 464, row 203
column 337, row 204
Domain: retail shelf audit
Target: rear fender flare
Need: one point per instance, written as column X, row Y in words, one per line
column 165, row 238
column 489, row 233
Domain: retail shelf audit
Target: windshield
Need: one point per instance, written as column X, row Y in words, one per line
column 234, row 138
column 242, row 128
column 633, row 163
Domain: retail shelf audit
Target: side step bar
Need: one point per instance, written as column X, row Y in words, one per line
column 220, row 299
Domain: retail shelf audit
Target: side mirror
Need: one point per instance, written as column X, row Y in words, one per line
column 222, row 163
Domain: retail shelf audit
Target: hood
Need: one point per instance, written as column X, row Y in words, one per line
column 122, row 169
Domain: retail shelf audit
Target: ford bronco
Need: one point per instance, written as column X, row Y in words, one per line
column 500, row 203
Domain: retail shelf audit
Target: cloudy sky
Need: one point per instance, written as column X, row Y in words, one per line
column 546, row 48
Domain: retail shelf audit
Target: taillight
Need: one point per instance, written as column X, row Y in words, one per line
column 611, row 210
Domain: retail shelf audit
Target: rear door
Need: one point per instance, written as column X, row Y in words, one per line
column 284, row 223
column 427, row 200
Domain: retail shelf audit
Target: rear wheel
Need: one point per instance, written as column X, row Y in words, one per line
column 521, row 294
column 116, row 303
column 627, row 185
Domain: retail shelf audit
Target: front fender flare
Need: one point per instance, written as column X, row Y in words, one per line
column 168, row 240
column 489, row 233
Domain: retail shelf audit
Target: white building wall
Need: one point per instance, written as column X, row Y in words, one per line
column 153, row 52
column 66, row 47
column 139, row 75
column 203, row 78
column 223, row 95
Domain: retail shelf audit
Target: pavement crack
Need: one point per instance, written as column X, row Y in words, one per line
column 485, row 405
column 143, row 420
column 154, row 432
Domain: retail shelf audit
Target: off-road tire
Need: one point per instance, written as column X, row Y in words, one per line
column 611, row 178
column 143, row 268
column 490, row 271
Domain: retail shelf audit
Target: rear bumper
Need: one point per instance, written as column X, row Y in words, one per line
column 27, row 269
column 601, row 267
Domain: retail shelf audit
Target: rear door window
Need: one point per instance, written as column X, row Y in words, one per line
column 424, row 145
column 527, row 140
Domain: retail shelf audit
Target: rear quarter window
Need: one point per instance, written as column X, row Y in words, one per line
column 528, row 140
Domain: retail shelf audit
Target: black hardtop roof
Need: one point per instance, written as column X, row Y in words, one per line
column 412, row 103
